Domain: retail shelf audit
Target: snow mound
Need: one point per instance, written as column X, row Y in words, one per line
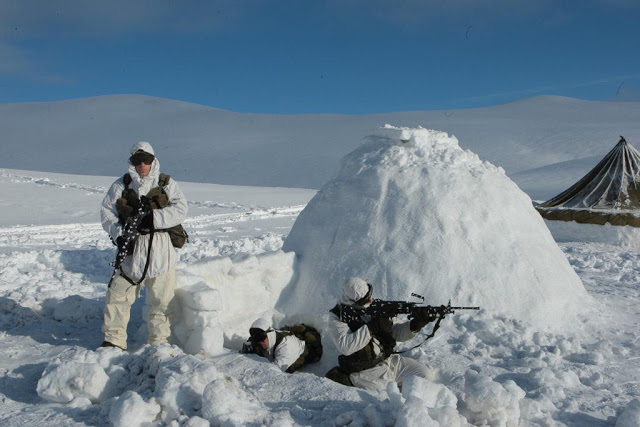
column 131, row 410
column 64, row 382
column 155, row 383
column 428, row 403
column 631, row 415
column 410, row 211
column 222, row 400
column 490, row 402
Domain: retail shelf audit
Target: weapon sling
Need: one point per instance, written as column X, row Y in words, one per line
column 146, row 265
column 126, row 180
column 433, row 332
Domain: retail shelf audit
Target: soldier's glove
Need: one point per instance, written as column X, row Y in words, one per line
column 354, row 325
column 420, row 320
column 380, row 325
column 124, row 209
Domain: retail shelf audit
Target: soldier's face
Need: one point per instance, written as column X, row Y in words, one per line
column 143, row 169
column 264, row 343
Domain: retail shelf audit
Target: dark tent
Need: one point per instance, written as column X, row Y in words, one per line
column 610, row 192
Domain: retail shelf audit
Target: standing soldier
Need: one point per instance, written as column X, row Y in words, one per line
column 366, row 345
column 152, row 259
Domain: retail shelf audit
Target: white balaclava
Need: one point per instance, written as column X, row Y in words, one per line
column 353, row 290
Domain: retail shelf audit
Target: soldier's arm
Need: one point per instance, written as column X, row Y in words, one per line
column 347, row 341
column 108, row 212
column 287, row 352
column 401, row 331
column 176, row 211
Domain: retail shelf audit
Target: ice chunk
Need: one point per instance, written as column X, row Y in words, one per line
column 64, row 381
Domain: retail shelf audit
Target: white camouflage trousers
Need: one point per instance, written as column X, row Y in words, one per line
column 394, row 368
column 120, row 297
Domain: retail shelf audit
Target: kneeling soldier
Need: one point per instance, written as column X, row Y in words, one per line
column 367, row 345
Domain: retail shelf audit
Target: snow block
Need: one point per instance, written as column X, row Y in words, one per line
column 427, row 403
column 490, row 402
column 434, row 395
column 410, row 211
column 130, row 410
column 248, row 288
column 630, row 417
column 225, row 402
column 180, row 383
column 63, row 382
column 200, row 297
column 196, row 324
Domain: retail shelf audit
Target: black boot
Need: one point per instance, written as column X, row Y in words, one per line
column 338, row 375
column 109, row 344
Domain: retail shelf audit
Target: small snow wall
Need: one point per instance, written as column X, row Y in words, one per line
column 410, row 211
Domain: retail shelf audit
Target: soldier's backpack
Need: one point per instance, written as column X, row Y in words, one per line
column 311, row 337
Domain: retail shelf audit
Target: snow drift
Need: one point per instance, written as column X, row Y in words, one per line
column 52, row 287
column 410, row 211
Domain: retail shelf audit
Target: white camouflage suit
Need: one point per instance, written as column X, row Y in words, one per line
column 161, row 277
column 286, row 352
column 395, row 367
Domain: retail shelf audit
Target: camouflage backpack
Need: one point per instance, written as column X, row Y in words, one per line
column 310, row 336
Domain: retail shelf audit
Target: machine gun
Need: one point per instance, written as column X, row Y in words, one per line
column 357, row 317
column 250, row 348
column 389, row 309
column 130, row 234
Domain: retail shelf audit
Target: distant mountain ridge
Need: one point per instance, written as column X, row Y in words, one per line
column 92, row 136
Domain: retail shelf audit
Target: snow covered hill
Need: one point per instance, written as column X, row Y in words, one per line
column 202, row 144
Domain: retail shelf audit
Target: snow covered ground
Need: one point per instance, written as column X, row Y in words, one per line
column 492, row 370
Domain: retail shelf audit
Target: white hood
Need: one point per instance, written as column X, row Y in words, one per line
column 154, row 173
column 353, row 289
column 144, row 146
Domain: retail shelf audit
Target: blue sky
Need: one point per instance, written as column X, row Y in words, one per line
column 331, row 56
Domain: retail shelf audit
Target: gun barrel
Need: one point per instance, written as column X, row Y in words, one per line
column 464, row 308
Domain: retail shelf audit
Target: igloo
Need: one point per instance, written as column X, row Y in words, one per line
column 411, row 212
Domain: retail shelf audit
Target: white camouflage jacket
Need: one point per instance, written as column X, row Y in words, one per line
column 163, row 255
column 348, row 342
column 287, row 352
